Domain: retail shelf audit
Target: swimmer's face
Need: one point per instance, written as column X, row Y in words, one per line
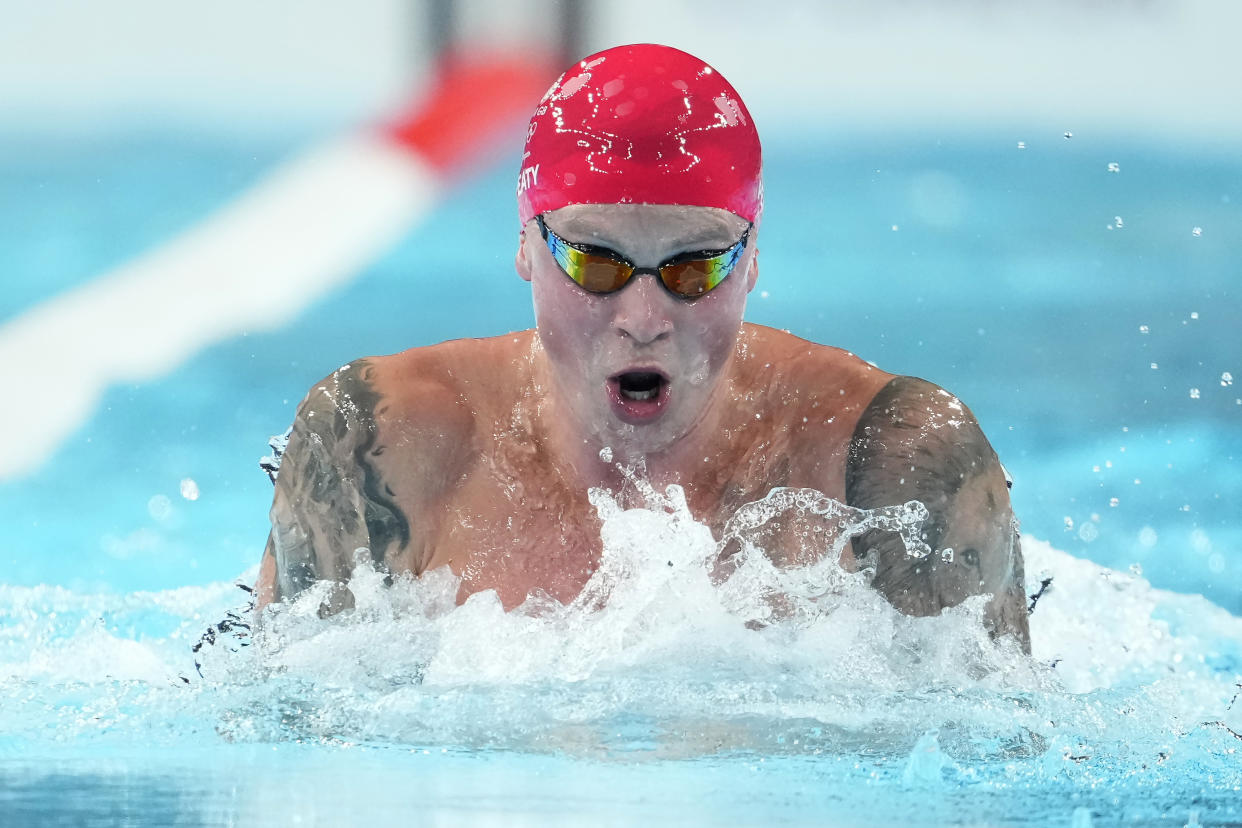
column 640, row 367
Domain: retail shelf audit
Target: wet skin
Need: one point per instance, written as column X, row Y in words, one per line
column 478, row 454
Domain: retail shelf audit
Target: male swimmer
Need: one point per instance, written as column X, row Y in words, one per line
column 640, row 198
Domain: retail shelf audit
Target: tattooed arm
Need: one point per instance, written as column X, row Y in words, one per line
column 916, row 441
column 331, row 497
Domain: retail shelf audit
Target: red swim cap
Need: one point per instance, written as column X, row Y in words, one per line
column 641, row 124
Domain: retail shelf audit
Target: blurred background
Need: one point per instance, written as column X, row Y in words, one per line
column 202, row 212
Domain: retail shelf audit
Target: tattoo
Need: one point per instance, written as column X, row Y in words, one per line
column 331, row 499
column 386, row 523
column 916, row 441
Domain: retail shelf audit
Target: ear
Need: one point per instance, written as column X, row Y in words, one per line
column 522, row 260
column 752, row 274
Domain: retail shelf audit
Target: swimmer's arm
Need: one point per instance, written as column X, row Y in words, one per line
column 331, row 499
column 916, row 441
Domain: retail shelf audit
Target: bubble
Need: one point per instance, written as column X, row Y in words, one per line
column 1068, row 135
column 1196, row 232
column 946, row 555
column 1200, row 541
column 895, row 228
column 1114, row 502
column 1087, row 532
column 763, row 294
column 1194, row 393
column 1069, row 521
column 1113, row 167
column 1136, row 569
column 1022, row 145
column 605, row 454
column 1216, row 563
column 1144, row 329
column 1155, row 367
column 1147, row 537
column 1194, row 314
column 189, row 489
column 159, row 507
column 1226, row 379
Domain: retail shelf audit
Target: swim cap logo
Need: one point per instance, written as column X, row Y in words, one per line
column 529, row 177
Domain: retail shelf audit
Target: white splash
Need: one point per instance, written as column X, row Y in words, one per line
column 664, row 652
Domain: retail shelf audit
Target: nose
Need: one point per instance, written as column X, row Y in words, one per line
column 642, row 310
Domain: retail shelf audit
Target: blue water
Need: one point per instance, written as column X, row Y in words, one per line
column 990, row 270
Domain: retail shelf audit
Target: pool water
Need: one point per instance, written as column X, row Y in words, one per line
column 1094, row 352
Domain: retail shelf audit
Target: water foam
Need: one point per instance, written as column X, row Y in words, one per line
column 661, row 657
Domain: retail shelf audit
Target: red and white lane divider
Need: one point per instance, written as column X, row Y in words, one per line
column 310, row 226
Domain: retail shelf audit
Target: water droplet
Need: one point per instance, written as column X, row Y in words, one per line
column 763, row 294
column 1226, row 379
column 1113, row 166
column 1114, row 502
column 1022, row 145
column 1147, row 537
column 1144, row 329
column 895, row 228
column 1087, row 532
column 1196, row 232
column 189, row 489
column 1194, row 393
column 1155, row 367
column 1216, row 563
column 1194, row 314
column 1138, row 481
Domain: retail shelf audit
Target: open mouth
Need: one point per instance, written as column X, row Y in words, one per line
column 640, row 385
column 638, row 396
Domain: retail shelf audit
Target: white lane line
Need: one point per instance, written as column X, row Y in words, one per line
column 256, row 264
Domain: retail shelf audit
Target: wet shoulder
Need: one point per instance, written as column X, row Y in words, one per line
column 809, row 379
column 450, row 387
column 423, row 403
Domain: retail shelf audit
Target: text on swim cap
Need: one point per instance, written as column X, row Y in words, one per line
column 529, row 177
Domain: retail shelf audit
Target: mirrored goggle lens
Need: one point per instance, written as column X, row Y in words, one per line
column 598, row 274
column 698, row 276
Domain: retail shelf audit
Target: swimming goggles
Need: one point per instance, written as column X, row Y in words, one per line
column 600, row 270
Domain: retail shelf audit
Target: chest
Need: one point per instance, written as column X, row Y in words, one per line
column 513, row 525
